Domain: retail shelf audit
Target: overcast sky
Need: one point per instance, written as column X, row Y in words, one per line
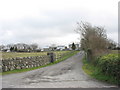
column 47, row 22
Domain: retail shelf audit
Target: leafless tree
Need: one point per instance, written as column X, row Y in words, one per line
column 111, row 44
column 93, row 39
column 34, row 46
column 1, row 47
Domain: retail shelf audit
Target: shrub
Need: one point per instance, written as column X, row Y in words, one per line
column 110, row 65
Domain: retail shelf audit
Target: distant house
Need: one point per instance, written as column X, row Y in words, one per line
column 46, row 48
column 5, row 48
column 60, row 48
column 19, row 46
column 77, row 47
column 52, row 48
column 8, row 50
column 23, row 47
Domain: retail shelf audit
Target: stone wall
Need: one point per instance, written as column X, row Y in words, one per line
column 24, row 62
column 29, row 62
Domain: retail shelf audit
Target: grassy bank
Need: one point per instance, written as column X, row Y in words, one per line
column 96, row 72
column 29, row 69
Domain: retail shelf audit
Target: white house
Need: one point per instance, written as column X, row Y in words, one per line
column 46, row 48
column 61, row 48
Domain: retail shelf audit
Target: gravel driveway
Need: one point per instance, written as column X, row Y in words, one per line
column 66, row 74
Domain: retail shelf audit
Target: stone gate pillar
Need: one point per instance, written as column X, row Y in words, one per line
column 52, row 57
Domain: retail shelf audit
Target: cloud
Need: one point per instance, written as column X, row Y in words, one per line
column 52, row 21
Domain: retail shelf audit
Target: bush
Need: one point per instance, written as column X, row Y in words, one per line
column 110, row 65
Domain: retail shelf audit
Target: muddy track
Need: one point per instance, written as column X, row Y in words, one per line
column 66, row 74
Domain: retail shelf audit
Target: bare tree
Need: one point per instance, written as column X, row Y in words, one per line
column 1, row 47
column 93, row 39
column 34, row 46
column 111, row 44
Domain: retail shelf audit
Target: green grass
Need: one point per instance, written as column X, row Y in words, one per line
column 6, row 55
column 96, row 73
column 29, row 69
column 115, row 51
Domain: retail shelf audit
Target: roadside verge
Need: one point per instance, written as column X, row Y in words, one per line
column 95, row 72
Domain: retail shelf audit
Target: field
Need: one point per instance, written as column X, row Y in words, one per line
column 6, row 55
column 115, row 51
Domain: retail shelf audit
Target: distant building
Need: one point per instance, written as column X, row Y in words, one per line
column 5, row 48
column 46, row 49
column 77, row 47
column 24, row 47
column 20, row 46
column 52, row 48
column 60, row 48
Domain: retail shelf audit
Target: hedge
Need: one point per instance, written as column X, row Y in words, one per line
column 110, row 65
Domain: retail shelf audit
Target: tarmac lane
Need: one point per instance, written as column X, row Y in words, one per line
column 66, row 74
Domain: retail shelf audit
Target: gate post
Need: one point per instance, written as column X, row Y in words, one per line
column 52, row 57
column 89, row 55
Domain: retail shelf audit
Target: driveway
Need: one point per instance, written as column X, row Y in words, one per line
column 66, row 74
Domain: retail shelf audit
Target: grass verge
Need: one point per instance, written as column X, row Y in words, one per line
column 95, row 72
column 29, row 69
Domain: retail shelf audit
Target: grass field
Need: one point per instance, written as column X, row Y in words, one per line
column 115, row 51
column 6, row 55
column 29, row 69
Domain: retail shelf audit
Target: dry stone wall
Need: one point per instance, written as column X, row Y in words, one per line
column 29, row 62
column 24, row 62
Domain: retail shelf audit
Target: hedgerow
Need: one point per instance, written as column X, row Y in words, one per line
column 110, row 65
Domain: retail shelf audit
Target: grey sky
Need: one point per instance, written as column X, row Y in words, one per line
column 48, row 22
